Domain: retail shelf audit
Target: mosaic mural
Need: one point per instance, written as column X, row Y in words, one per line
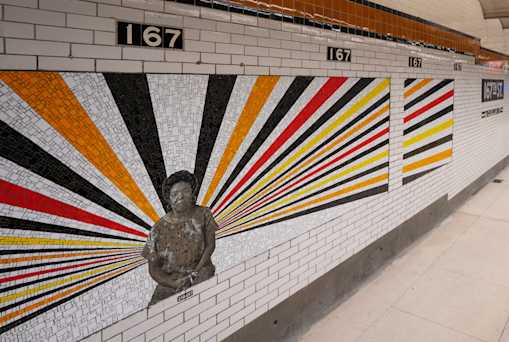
column 84, row 155
column 427, row 126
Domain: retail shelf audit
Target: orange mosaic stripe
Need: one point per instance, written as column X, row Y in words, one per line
column 64, row 255
column 429, row 160
column 343, row 191
column 257, row 98
column 48, row 94
column 416, row 87
column 62, row 294
column 313, row 158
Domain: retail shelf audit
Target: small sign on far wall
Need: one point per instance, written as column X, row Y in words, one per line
column 492, row 90
column 149, row 35
column 415, row 62
column 491, row 112
column 339, row 54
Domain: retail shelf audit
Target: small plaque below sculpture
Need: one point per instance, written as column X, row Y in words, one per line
column 181, row 243
column 184, row 296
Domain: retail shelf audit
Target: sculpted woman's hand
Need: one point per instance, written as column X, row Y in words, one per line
column 181, row 282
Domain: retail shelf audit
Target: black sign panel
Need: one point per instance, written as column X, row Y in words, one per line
column 149, row 35
column 184, row 296
column 339, row 54
column 491, row 112
column 415, row 62
column 492, row 90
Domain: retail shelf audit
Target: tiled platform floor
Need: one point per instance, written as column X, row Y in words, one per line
column 450, row 286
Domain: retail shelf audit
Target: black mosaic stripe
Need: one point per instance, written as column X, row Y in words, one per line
column 44, row 264
column 426, row 94
column 429, row 146
column 413, row 177
column 329, row 155
column 330, row 187
column 20, row 224
column 47, row 293
column 53, row 250
column 61, row 275
column 291, row 95
column 429, row 119
column 409, row 81
column 132, row 95
column 321, row 160
column 22, row 151
column 317, row 178
column 219, row 90
column 55, row 304
column 367, row 193
column 333, row 110
column 336, row 134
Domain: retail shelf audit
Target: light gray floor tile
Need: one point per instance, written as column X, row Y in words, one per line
column 469, row 305
column 397, row 326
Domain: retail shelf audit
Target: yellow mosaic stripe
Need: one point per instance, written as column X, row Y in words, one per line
column 41, row 257
column 23, row 241
column 257, row 98
column 432, row 131
column 325, row 149
column 289, row 211
column 60, row 295
column 53, row 284
column 316, row 139
column 318, row 185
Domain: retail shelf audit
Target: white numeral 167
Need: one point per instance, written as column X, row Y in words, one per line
column 152, row 36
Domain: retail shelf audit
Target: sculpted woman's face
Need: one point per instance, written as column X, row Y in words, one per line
column 181, row 196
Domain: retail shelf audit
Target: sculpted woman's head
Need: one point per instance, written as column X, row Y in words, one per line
column 179, row 191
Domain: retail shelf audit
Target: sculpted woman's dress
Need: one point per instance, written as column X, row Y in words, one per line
column 181, row 243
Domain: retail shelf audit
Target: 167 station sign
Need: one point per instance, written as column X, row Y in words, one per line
column 149, row 35
column 339, row 54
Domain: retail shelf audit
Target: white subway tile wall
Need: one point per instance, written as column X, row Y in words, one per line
column 74, row 35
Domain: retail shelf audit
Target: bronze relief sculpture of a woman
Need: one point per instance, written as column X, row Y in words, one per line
column 181, row 243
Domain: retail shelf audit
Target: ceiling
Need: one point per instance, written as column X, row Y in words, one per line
column 496, row 9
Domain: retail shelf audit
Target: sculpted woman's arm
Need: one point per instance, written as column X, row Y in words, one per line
column 154, row 263
column 210, row 239
column 163, row 278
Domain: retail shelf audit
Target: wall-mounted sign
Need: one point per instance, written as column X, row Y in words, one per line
column 339, row 54
column 458, row 67
column 415, row 62
column 184, row 296
column 491, row 112
column 149, row 35
column 492, row 90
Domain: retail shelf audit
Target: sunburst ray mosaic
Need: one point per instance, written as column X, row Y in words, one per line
column 427, row 126
column 83, row 157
